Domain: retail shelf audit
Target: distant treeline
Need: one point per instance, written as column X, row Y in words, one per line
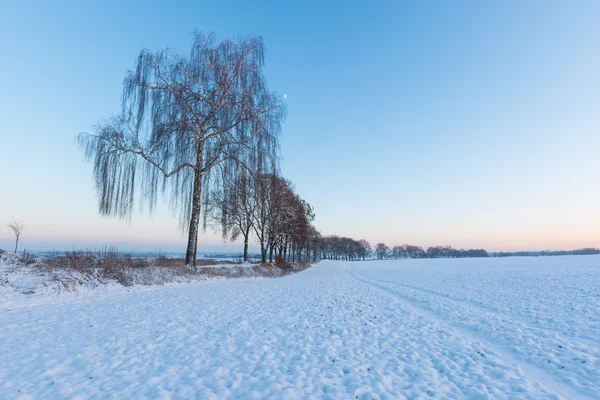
column 382, row 252
column 578, row 252
column 344, row 248
column 409, row 251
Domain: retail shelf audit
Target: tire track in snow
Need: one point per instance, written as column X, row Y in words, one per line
column 489, row 309
column 545, row 347
column 538, row 374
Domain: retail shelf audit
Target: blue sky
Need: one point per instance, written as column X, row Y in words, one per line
column 468, row 123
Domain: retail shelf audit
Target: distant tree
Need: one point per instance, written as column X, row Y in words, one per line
column 344, row 248
column 17, row 228
column 472, row 253
column 381, row 250
column 397, row 252
column 587, row 251
column 410, row 251
column 365, row 249
column 449, row 252
column 315, row 241
column 181, row 118
column 351, row 249
column 437, row 252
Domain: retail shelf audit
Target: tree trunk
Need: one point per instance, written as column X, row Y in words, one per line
column 190, row 254
column 16, row 245
column 247, row 233
column 263, row 253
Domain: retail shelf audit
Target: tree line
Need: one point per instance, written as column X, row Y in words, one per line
column 343, row 248
column 382, row 251
column 577, row 252
column 264, row 206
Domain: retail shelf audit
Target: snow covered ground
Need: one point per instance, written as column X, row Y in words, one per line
column 475, row 328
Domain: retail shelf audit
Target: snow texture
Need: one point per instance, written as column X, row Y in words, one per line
column 522, row 328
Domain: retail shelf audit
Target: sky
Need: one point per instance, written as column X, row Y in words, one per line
column 464, row 123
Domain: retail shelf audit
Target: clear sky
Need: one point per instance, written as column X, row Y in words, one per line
column 467, row 123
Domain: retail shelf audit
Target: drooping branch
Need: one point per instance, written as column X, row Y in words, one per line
column 181, row 119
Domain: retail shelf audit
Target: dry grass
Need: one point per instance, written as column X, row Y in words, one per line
column 258, row 270
column 74, row 268
column 180, row 262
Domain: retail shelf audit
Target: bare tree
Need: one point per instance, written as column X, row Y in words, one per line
column 17, row 228
column 281, row 220
column 343, row 248
column 314, row 243
column 381, row 250
column 365, row 249
column 397, row 252
column 181, row 119
column 232, row 207
column 272, row 196
column 295, row 226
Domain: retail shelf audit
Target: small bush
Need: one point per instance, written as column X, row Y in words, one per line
column 118, row 274
column 281, row 263
column 118, row 268
column 167, row 262
column 79, row 260
column 210, row 261
column 27, row 258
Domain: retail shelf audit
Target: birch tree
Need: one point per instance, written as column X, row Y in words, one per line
column 181, row 119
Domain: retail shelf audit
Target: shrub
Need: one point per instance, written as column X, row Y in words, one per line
column 79, row 260
column 27, row 258
column 283, row 264
column 163, row 261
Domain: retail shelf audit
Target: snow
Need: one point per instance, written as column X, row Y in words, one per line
column 471, row 328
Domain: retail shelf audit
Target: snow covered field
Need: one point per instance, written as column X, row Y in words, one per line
column 469, row 328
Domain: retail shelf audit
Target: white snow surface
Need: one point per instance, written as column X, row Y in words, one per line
column 522, row 328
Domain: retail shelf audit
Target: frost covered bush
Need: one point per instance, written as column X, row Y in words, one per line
column 27, row 259
column 119, row 268
column 165, row 261
column 17, row 259
column 78, row 260
column 283, row 264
